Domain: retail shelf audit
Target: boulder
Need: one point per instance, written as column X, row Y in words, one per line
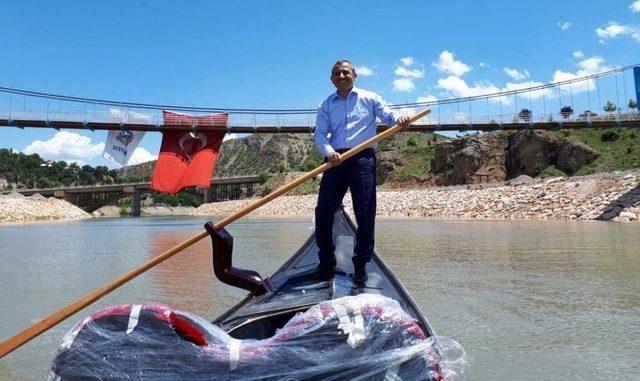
column 383, row 171
column 529, row 152
column 467, row 160
column 573, row 155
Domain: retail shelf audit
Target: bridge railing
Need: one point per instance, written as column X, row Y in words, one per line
column 588, row 97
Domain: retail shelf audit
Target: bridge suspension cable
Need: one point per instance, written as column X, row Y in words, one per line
column 282, row 111
column 502, row 110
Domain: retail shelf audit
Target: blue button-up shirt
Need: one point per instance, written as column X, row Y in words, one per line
column 347, row 122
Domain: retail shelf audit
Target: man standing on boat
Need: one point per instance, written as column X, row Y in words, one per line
column 344, row 120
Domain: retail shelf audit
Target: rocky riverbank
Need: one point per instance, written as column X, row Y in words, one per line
column 115, row 211
column 17, row 208
column 606, row 196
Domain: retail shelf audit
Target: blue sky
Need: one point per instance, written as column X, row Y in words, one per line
column 278, row 54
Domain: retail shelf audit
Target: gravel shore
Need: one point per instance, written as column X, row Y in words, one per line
column 608, row 196
column 17, row 208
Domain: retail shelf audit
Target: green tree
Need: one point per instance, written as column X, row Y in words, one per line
column 525, row 114
column 566, row 111
column 264, row 177
column 609, row 107
column 633, row 104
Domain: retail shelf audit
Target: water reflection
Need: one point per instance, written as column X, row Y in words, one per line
column 186, row 278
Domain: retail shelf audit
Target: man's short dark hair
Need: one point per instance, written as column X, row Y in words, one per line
column 340, row 62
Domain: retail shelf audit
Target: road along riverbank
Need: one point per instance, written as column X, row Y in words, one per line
column 606, row 196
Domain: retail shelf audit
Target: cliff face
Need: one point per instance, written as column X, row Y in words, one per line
column 252, row 155
column 531, row 152
column 483, row 158
column 470, row 160
column 270, row 153
column 410, row 159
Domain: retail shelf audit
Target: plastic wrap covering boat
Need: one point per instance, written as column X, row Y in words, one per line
column 364, row 337
column 293, row 325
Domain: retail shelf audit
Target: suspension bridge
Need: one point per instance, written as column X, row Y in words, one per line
column 599, row 100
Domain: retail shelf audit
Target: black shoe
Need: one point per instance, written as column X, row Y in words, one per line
column 327, row 268
column 359, row 271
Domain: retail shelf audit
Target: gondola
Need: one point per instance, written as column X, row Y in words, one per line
column 293, row 325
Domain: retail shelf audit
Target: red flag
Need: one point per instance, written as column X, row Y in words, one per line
column 187, row 158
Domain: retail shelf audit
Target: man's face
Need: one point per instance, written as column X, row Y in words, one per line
column 343, row 76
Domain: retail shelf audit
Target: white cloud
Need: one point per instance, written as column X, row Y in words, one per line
column 614, row 30
column 592, row 65
column 403, row 84
column 458, row 88
column 141, row 155
column 515, row 74
column 407, row 61
column 564, row 25
column 588, row 66
column 67, row 146
column 407, row 76
column 533, row 94
column 408, row 73
column 364, row 71
column 447, row 64
column 428, row 98
column 635, row 6
column 229, row 137
column 482, row 64
column 578, row 54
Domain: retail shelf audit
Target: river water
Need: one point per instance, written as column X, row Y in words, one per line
column 527, row 300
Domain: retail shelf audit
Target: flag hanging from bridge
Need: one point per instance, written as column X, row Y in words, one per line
column 121, row 144
column 187, row 159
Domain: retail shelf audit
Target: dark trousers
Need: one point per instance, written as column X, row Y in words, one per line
column 358, row 174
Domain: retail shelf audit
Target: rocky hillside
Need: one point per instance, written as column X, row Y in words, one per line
column 410, row 159
column 271, row 153
column 507, row 155
column 403, row 157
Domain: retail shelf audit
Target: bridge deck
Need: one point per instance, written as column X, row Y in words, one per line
column 127, row 188
column 535, row 125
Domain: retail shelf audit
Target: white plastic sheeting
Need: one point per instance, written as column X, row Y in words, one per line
column 364, row 337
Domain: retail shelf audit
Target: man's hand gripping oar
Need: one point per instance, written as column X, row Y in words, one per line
column 21, row 338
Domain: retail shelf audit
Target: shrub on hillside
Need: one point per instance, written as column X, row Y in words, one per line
column 609, row 136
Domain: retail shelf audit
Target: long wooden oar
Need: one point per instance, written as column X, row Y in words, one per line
column 21, row 338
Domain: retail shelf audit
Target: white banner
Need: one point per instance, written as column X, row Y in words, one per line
column 121, row 144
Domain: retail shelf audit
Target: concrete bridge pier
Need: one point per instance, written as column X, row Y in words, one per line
column 136, row 200
column 210, row 194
